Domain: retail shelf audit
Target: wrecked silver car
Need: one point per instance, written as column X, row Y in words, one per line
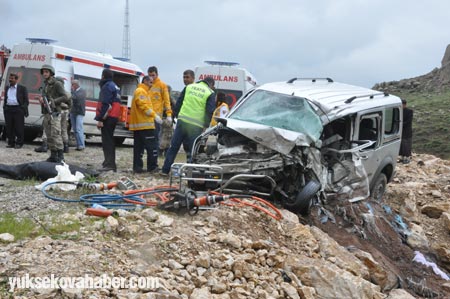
column 294, row 141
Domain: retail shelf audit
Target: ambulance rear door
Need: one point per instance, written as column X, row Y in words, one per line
column 228, row 79
column 26, row 61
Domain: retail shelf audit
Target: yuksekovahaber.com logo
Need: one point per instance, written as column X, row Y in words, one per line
column 82, row 282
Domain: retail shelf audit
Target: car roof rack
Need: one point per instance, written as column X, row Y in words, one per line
column 312, row 79
column 227, row 63
column 45, row 41
column 370, row 96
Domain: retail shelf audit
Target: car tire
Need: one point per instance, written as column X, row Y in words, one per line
column 303, row 201
column 379, row 188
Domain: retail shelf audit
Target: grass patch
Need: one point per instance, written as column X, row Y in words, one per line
column 90, row 179
column 52, row 225
column 4, row 288
column 24, row 183
column 58, row 227
column 181, row 158
column 19, row 228
column 431, row 122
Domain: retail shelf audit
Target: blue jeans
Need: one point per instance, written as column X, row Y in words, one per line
column 184, row 134
column 76, row 121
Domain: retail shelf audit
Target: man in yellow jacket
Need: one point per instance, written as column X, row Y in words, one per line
column 159, row 93
column 142, row 122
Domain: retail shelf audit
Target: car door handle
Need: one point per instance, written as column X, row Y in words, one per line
column 364, row 157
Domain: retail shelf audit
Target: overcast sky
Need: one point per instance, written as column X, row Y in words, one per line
column 360, row 42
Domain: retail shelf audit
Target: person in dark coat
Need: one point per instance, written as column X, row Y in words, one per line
column 107, row 116
column 15, row 109
column 406, row 144
column 77, row 113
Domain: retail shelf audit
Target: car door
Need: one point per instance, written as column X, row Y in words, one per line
column 368, row 129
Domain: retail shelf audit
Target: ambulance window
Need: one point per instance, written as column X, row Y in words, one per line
column 127, row 83
column 91, row 87
column 30, row 78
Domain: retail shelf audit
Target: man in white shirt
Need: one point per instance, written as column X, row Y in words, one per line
column 15, row 109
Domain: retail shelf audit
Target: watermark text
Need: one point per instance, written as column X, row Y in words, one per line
column 82, row 282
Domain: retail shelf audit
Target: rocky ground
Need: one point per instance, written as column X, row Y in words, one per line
column 341, row 250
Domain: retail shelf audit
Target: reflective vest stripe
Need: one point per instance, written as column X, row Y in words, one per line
column 140, row 125
column 191, row 120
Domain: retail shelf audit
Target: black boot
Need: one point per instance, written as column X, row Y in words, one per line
column 43, row 148
column 53, row 156
column 60, row 154
column 66, row 148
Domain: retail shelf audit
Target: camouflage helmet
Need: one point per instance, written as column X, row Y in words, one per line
column 48, row 67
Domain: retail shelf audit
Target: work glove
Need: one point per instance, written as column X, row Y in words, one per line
column 169, row 119
column 158, row 119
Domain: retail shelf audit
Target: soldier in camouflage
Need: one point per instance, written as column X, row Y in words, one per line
column 57, row 98
column 65, row 108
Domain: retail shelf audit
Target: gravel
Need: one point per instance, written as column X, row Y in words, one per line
column 21, row 197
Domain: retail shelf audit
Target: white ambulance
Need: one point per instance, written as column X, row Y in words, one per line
column 4, row 55
column 26, row 59
column 229, row 79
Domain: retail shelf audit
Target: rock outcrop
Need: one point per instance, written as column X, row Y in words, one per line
column 435, row 81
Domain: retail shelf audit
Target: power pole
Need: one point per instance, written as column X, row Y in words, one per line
column 126, row 46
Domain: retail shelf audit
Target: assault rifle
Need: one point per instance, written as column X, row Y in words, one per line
column 46, row 103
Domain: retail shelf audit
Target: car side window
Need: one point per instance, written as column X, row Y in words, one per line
column 369, row 129
column 391, row 121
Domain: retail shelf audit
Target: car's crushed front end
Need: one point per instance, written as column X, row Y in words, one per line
column 266, row 150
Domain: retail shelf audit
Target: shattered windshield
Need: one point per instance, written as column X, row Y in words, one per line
column 280, row 111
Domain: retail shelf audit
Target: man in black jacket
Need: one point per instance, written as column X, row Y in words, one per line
column 15, row 109
column 406, row 144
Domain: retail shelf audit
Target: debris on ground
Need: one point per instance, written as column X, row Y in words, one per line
column 341, row 250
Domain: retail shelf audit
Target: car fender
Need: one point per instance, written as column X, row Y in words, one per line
column 387, row 166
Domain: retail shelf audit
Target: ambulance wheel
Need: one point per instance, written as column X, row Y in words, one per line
column 119, row 140
column 379, row 188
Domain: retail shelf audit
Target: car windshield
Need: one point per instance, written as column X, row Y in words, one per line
column 280, row 111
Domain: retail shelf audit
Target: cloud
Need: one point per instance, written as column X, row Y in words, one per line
column 356, row 41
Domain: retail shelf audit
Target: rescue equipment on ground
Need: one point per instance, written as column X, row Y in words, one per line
column 170, row 198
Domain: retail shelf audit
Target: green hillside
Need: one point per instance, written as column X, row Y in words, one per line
column 431, row 123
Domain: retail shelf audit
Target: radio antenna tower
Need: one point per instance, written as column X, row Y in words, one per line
column 126, row 47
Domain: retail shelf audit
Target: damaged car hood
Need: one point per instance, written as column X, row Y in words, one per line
column 277, row 121
column 280, row 140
